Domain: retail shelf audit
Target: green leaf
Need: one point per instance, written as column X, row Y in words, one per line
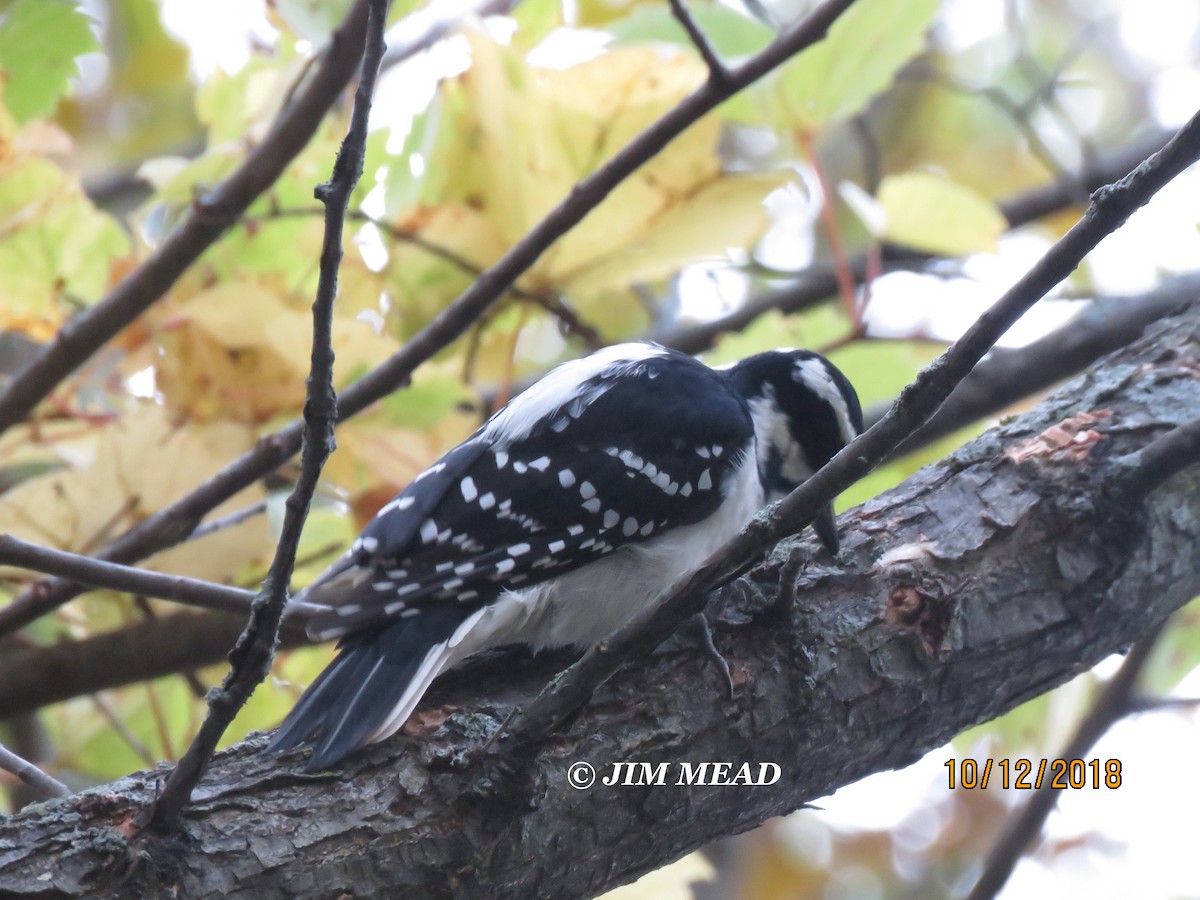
column 39, row 41
column 535, row 19
column 53, row 243
column 729, row 32
column 427, row 401
column 932, row 213
column 1177, row 653
column 864, row 50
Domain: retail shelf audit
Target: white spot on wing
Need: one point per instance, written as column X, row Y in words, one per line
column 487, row 501
column 566, row 478
column 369, row 543
column 593, row 505
column 501, row 459
column 611, row 518
column 541, row 463
column 467, row 486
column 705, row 480
column 429, row 531
column 630, row 527
column 518, row 549
column 398, row 503
column 432, row 470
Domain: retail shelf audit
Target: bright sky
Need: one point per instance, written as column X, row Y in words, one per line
column 1149, row 841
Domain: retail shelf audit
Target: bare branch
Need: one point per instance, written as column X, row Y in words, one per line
column 1109, row 209
column 716, row 68
column 35, row 676
column 250, row 659
column 234, row 518
column 33, row 776
column 97, row 573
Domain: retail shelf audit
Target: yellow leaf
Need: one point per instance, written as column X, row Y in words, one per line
column 932, row 213
column 241, row 351
column 726, row 212
column 139, row 465
column 512, row 140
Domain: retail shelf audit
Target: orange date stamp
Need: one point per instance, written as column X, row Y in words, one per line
column 1031, row 775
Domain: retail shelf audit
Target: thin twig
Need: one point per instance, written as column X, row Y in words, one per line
column 1024, row 826
column 1110, row 208
column 250, row 659
column 31, row 775
column 234, row 518
column 716, row 68
column 100, row 574
column 172, row 524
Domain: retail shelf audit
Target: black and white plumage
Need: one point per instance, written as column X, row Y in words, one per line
column 560, row 519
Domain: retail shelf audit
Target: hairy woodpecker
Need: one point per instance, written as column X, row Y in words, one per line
column 569, row 511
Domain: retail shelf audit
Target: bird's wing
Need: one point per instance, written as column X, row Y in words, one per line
column 532, row 496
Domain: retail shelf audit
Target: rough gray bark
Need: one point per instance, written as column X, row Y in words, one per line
column 980, row 582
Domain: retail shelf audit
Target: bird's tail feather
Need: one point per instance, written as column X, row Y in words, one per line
column 370, row 689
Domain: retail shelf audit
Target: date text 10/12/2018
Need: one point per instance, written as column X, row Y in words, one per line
column 1027, row 774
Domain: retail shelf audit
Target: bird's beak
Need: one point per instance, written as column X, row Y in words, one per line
column 826, row 528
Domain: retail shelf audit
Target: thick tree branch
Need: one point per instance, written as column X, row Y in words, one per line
column 976, row 585
column 1110, row 208
column 35, row 676
column 170, row 525
column 250, row 659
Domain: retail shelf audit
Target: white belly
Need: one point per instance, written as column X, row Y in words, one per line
column 585, row 606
